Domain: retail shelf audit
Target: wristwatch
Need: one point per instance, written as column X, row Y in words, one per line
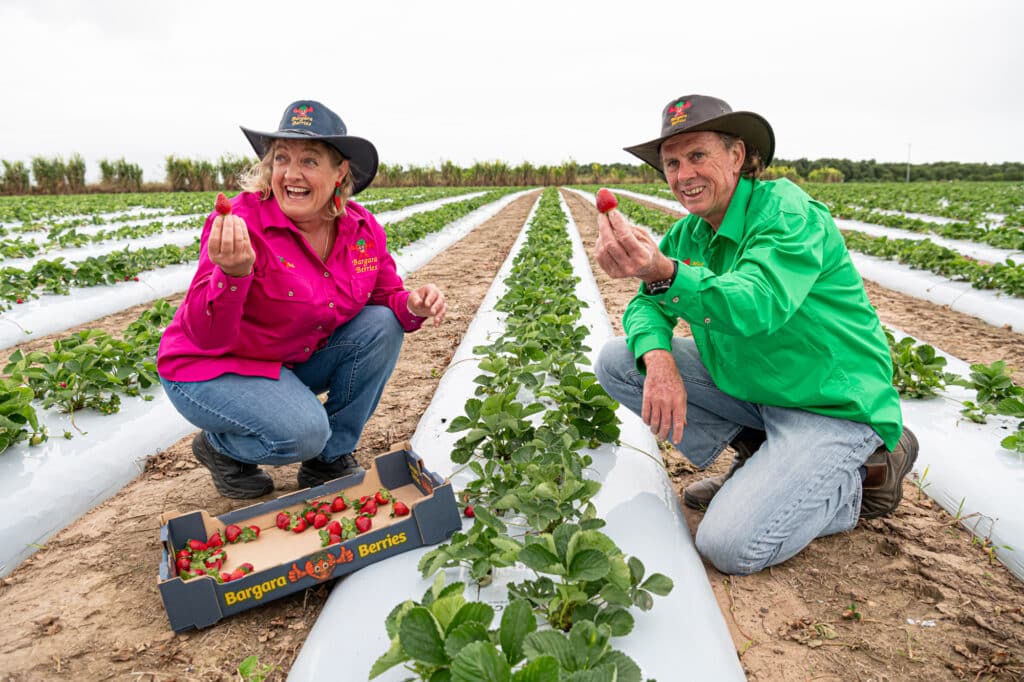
column 662, row 285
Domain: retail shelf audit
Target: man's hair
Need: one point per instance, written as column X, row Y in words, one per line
column 753, row 166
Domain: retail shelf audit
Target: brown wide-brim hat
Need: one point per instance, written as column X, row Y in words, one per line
column 310, row 120
column 694, row 113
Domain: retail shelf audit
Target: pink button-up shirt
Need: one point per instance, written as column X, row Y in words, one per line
column 288, row 306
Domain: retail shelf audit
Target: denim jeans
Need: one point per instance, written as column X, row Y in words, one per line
column 804, row 482
column 266, row 421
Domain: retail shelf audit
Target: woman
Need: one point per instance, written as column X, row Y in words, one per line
column 295, row 295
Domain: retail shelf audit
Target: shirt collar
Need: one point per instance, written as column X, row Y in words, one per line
column 735, row 216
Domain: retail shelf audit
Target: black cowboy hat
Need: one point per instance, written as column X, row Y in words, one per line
column 311, row 120
column 693, row 113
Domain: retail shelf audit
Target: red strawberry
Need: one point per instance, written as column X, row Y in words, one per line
column 283, row 520
column 320, row 520
column 222, row 205
column 20, row 300
column 364, row 499
column 339, row 504
column 237, row 574
column 135, row 279
column 369, row 508
column 606, row 201
column 214, row 562
column 382, row 496
column 310, row 516
column 184, row 553
column 299, row 526
column 400, row 509
column 184, row 564
column 232, row 532
column 468, row 511
column 255, row 530
column 225, row 577
column 197, row 545
column 214, row 541
column 363, row 523
column 247, row 567
column 334, row 538
column 198, row 571
column 334, row 528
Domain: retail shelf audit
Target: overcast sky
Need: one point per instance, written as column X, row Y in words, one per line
column 539, row 81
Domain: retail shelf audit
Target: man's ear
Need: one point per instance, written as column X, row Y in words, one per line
column 740, row 151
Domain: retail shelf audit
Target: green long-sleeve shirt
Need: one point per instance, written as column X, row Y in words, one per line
column 777, row 309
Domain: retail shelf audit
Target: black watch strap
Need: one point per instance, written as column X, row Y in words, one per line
column 662, row 285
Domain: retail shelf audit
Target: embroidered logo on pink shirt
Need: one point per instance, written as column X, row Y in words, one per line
column 287, row 264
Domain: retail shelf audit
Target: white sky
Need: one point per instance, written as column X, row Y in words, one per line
column 534, row 81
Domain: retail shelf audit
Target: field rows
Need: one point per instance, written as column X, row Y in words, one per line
column 129, row 438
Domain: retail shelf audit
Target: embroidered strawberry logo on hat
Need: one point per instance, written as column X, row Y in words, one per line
column 678, row 111
column 302, row 115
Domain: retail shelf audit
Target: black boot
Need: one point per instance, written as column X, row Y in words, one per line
column 231, row 478
column 698, row 495
column 314, row 472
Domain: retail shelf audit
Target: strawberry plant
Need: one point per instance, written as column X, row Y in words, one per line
column 594, row 582
column 483, row 548
column 445, row 637
column 18, row 419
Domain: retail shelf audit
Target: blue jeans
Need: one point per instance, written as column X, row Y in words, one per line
column 804, row 482
column 266, row 421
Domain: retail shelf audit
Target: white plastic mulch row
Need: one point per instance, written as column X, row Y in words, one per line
column 75, row 475
column 998, row 310
column 52, row 313
column 636, row 499
column 975, row 250
column 962, row 467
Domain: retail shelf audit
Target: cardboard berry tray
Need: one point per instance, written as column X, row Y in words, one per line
column 279, row 561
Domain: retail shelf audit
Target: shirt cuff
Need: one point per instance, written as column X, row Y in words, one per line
column 647, row 342
column 409, row 322
column 230, row 287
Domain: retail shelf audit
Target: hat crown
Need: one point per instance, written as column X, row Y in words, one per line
column 309, row 117
column 689, row 110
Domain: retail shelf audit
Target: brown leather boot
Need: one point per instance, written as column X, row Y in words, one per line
column 698, row 495
column 883, row 486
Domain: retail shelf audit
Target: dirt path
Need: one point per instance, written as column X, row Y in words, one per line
column 87, row 606
column 788, row 623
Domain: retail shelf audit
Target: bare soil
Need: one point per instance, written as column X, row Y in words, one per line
column 86, row 607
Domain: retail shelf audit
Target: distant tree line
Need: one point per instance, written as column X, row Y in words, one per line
column 57, row 176
column 873, row 171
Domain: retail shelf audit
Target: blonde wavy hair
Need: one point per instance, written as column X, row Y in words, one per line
column 257, row 177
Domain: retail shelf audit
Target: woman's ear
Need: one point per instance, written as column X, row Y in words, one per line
column 343, row 170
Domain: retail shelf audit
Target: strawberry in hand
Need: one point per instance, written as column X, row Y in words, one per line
column 222, row 205
column 606, row 201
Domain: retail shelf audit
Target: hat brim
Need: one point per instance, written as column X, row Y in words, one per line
column 361, row 153
column 752, row 128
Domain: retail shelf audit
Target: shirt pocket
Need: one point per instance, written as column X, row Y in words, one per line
column 279, row 300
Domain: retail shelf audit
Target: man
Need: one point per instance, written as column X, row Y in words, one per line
column 788, row 363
